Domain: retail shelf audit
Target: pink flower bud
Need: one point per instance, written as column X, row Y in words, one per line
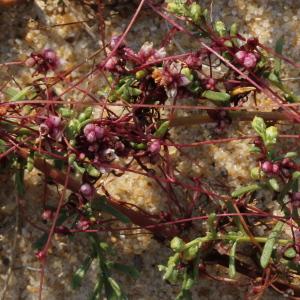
column 267, row 167
column 53, row 121
column 154, row 147
column 93, row 132
column 88, row 128
column 275, row 168
column 49, row 54
column 285, row 162
column 91, row 137
column 81, row 156
column 250, row 61
column 211, row 84
column 51, row 58
column 47, row 215
column 87, row 190
column 40, row 255
column 99, row 131
column 240, row 55
column 119, row 147
column 247, row 59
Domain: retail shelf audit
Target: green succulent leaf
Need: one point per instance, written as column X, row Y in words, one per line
column 190, row 253
column 81, row 272
column 270, row 243
column 271, row 135
column 220, row 28
column 274, row 184
column 162, row 130
column 259, row 126
column 177, row 244
column 117, row 293
column 244, row 190
column 216, row 96
column 290, row 253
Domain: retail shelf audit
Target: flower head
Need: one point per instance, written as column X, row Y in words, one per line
column 170, row 77
column 44, row 61
column 147, row 53
column 93, row 132
column 154, row 146
column 247, row 59
column 52, row 126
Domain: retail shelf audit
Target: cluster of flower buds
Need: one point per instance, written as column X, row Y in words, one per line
column 283, row 167
column 123, row 54
column 147, row 53
column 43, row 62
column 210, row 84
column 52, row 127
column 101, row 145
column 246, row 59
column 194, row 61
column 93, row 132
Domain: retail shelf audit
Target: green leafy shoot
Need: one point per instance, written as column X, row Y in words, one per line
column 231, row 268
column 81, row 272
column 269, row 135
column 16, row 95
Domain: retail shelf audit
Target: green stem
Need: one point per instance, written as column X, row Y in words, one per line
column 234, row 238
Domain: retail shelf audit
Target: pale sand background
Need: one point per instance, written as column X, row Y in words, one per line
column 26, row 29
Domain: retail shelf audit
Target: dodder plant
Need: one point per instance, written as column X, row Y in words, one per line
column 127, row 129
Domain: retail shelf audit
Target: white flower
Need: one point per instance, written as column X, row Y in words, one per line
column 146, row 50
